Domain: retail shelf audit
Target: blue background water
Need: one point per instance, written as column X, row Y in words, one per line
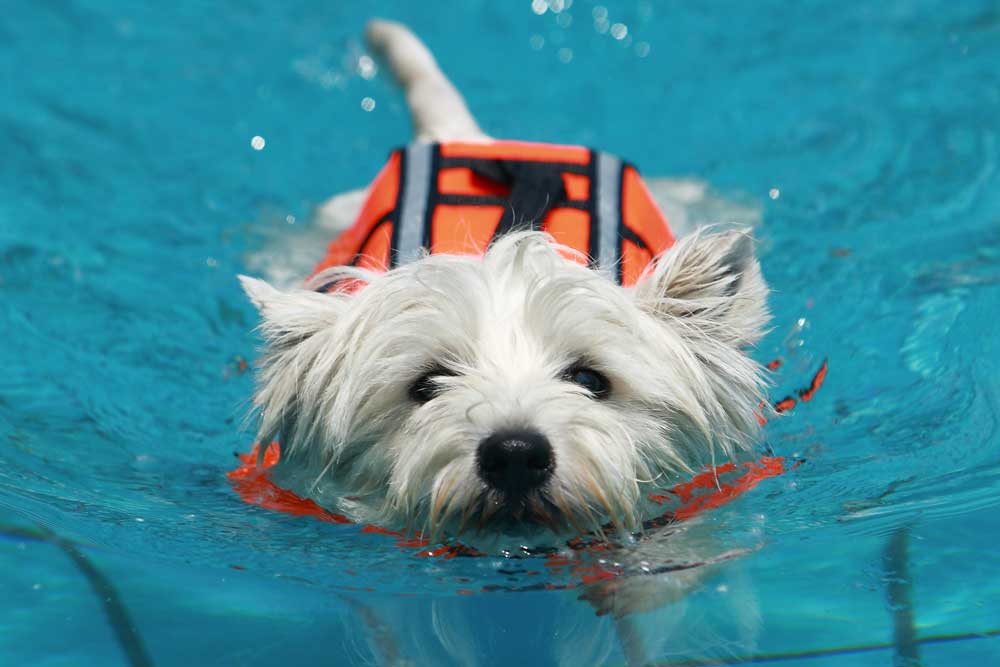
column 130, row 196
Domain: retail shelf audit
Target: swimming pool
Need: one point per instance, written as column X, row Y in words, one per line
column 132, row 194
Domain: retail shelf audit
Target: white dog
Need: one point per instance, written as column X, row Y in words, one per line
column 521, row 392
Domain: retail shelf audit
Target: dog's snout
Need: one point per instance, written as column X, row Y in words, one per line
column 515, row 462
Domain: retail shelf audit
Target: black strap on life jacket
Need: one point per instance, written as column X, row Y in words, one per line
column 535, row 188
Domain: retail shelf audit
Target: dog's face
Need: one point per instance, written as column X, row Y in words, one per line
column 516, row 392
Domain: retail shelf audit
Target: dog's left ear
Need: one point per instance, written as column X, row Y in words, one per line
column 288, row 317
column 712, row 285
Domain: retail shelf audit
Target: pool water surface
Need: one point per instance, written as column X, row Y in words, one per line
column 151, row 150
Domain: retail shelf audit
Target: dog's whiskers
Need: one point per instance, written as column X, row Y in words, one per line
column 321, row 475
column 598, row 495
column 538, row 509
column 450, row 509
column 657, row 476
column 559, row 502
column 442, row 497
column 471, row 507
column 490, row 508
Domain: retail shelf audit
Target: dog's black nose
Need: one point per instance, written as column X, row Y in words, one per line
column 515, row 462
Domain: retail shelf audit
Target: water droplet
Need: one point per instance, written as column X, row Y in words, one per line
column 258, row 143
column 366, row 67
column 774, row 193
column 565, row 55
column 367, row 104
column 619, row 30
column 539, row 6
column 642, row 49
column 537, row 42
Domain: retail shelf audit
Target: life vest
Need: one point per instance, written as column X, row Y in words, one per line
column 455, row 198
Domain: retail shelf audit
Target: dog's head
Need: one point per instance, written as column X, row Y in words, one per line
column 516, row 391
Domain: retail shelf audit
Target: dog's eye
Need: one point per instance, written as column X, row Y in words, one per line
column 427, row 386
column 593, row 381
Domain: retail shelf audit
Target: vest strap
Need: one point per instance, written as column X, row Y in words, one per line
column 535, row 188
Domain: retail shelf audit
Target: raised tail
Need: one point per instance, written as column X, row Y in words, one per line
column 439, row 113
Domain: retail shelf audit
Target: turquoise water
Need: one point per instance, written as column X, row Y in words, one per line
column 130, row 196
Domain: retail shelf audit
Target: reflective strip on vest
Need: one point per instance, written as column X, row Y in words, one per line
column 412, row 214
column 608, row 212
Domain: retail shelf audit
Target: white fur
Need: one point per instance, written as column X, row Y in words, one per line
column 337, row 367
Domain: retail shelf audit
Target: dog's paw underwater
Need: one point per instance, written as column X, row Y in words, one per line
column 518, row 393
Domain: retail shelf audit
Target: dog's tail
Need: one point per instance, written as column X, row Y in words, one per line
column 438, row 110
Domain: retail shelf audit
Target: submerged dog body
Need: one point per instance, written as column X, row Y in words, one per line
column 518, row 391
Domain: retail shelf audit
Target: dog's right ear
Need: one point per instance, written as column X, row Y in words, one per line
column 289, row 317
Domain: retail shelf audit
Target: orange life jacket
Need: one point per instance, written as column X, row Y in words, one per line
column 455, row 198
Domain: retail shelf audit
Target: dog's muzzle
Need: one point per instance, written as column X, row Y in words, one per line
column 515, row 463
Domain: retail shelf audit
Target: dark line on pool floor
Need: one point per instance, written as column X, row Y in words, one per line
column 118, row 617
column 823, row 652
column 899, row 589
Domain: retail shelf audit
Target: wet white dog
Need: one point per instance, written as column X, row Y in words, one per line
column 519, row 393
